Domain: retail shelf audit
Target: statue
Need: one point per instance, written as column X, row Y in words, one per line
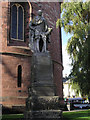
column 39, row 33
column 42, row 102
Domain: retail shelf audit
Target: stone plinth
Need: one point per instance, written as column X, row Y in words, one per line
column 42, row 104
column 42, row 68
column 44, row 115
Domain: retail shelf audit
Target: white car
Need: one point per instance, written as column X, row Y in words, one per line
column 82, row 105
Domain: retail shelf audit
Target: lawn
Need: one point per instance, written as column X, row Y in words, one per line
column 12, row 116
column 77, row 115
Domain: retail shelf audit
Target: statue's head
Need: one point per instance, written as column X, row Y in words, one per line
column 39, row 12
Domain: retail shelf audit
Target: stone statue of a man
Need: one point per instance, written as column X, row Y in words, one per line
column 39, row 31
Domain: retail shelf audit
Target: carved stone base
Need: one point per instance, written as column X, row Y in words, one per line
column 44, row 115
column 42, row 104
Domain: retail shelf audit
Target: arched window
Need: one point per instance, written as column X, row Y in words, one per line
column 17, row 22
column 19, row 78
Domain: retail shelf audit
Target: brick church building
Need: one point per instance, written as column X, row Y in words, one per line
column 16, row 55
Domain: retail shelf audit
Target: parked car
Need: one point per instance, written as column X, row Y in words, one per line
column 77, row 103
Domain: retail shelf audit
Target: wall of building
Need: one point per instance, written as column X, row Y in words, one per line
column 15, row 53
column 68, row 91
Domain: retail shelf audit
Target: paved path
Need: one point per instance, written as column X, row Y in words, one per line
column 76, row 110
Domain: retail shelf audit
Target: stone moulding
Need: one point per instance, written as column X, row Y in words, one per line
column 44, row 115
column 44, row 103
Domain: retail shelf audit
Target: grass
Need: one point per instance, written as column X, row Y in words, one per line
column 77, row 115
column 12, row 116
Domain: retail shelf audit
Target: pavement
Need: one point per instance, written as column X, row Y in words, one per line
column 76, row 110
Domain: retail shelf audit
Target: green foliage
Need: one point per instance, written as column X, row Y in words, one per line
column 76, row 19
column 74, row 86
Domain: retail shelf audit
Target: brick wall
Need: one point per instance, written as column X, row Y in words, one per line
column 16, row 53
column 10, row 89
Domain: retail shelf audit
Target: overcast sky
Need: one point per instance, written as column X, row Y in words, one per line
column 66, row 60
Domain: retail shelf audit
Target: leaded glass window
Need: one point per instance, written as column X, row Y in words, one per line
column 17, row 22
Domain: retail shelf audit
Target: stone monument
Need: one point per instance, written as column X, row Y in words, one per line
column 42, row 102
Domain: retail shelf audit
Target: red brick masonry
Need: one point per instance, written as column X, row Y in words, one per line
column 15, row 53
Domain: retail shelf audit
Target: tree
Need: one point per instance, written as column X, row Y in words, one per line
column 76, row 19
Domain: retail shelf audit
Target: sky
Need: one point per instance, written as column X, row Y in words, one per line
column 66, row 60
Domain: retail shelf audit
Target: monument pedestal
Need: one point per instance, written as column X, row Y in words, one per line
column 42, row 104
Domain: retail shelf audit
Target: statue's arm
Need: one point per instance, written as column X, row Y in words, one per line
column 48, row 30
column 46, row 25
column 31, row 27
